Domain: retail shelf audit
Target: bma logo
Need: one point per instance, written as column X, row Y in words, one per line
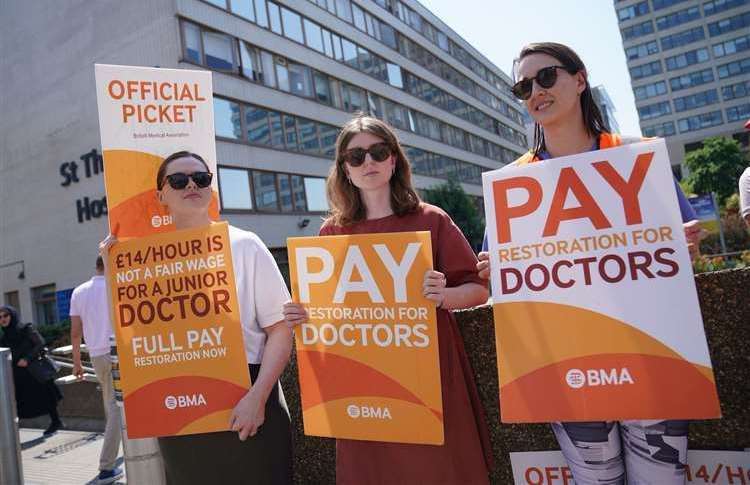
column 188, row 401
column 367, row 412
column 576, row 378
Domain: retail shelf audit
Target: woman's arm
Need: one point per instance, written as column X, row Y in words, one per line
column 249, row 414
column 466, row 295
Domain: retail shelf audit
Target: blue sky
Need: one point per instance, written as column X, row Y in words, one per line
column 499, row 28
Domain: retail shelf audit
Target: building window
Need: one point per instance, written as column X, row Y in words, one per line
column 274, row 17
column 394, row 76
column 660, row 4
column 682, row 38
column 740, row 44
column 313, row 36
column 235, row 189
column 738, row 113
column 645, row 70
column 285, row 192
column 650, row 90
column 264, row 187
column 691, row 79
column 736, row 91
column 662, row 130
column 696, row 100
column 723, row 26
column 292, row 25
column 44, row 302
column 638, row 30
column 308, row 135
column 300, row 80
column 699, row 122
column 256, row 123
column 227, row 119
column 654, row 110
column 244, row 8
column 717, row 6
column 315, row 189
column 687, row 59
column 298, row 193
column 261, row 13
column 219, row 49
column 632, row 11
column 735, row 68
column 678, row 18
column 642, row 50
column 250, row 63
column 193, row 46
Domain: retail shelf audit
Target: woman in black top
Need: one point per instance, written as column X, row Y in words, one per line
column 33, row 398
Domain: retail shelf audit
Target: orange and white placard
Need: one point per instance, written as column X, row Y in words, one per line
column 145, row 115
column 368, row 358
column 595, row 307
column 176, row 319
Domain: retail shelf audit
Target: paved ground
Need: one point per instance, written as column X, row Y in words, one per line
column 68, row 457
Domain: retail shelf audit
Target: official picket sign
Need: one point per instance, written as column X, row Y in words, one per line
column 596, row 311
column 177, row 324
column 717, row 467
column 145, row 115
column 368, row 357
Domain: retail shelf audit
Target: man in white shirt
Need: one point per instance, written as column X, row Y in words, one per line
column 89, row 316
column 744, row 187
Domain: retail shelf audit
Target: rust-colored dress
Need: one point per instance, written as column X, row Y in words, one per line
column 466, row 455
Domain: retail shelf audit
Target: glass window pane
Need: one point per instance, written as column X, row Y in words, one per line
column 249, row 60
column 290, row 128
column 394, row 76
column 260, row 12
column 244, row 8
column 44, row 299
column 298, row 190
column 359, row 18
column 256, row 123
column 269, row 73
column 316, row 194
column 219, row 3
column 234, row 184
column 313, row 36
column 328, row 135
column 388, row 35
column 218, row 50
column 274, row 17
column 327, row 44
column 227, row 119
column 308, row 135
column 338, row 52
column 193, row 42
column 322, row 89
column 285, row 192
column 292, row 25
column 264, row 185
column 300, row 80
column 282, row 74
column 336, row 93
column 277, row 130
column 350, row 53
column 344, row 10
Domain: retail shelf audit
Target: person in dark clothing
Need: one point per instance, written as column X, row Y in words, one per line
column 33, row 398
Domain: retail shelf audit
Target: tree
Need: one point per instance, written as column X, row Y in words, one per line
column 715, row 167
column 451, row 197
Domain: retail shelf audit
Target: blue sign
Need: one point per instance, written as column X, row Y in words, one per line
column 704, row 207
column 63, row 303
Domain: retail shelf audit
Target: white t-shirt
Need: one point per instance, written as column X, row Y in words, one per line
column 261, row 290
column 89, row 301
column 744, row 186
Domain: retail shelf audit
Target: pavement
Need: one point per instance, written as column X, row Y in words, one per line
column 66, row 458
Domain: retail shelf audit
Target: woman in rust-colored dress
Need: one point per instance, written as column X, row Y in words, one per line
column 370, row 191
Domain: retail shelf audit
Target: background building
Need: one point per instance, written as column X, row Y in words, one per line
column 689, row 63
column 287, row 74
column 607, row 107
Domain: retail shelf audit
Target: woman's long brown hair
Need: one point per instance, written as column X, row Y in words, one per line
column 346, row 206
column 592, row 117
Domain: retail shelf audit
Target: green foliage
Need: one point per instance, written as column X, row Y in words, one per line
column 736, row 236
column 705, row 264
column 55, row 335
column 715, row 167
column 451, row 197
column 732, row 204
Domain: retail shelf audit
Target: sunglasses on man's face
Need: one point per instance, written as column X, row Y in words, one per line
column 179, row 181
column 356, row 156
column 545, row 78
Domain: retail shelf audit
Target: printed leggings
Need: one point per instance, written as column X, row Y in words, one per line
column 625, row 452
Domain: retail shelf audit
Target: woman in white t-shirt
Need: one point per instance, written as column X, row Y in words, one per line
column 259, row 446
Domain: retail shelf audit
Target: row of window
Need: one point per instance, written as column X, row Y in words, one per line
column 262, row 191
column 699, row 122
column 655, row 110
column 736, row 91
column 684, row 16
column 686, row 59
column 294, row 26
column 660, row 4
column 218, row 51
column 682, row 38
column 690, row 58
column 697, row 100
column 365, row 22
column 645, row 70
column 691, row 79
column 257, row 125
column 732, row 46
column 729, row 92
column 642, row 50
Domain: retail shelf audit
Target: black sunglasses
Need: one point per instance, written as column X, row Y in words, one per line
column 546, row 78
column 179, row 181
column 356, row 156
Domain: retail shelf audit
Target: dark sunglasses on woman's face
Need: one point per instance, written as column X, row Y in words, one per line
column 545, row 77
column 356, row 156
column 179, row 181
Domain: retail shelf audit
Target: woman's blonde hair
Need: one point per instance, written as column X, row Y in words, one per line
column 346, row 206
